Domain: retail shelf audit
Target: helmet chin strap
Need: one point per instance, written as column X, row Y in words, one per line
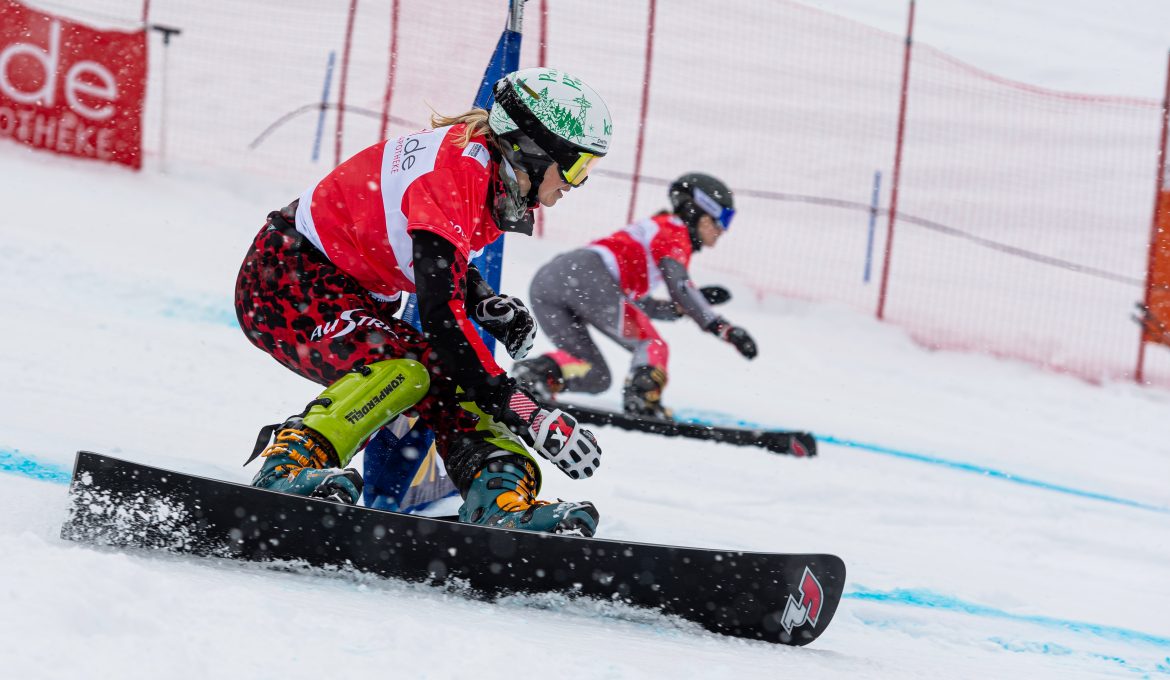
column 512, row 210
column 533, row 196
column 689, row 214
column 696, row 240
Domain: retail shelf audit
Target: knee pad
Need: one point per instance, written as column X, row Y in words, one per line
column 352, row 409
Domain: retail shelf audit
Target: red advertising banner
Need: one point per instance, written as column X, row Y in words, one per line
column 70, row 88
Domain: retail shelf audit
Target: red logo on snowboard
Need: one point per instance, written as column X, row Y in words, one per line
column 805, row 606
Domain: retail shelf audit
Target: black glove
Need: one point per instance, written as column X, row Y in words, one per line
column 509, row 321
column 734, row 335
column 715, row 295
column 554, row 434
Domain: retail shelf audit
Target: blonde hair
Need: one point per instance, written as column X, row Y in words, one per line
column 476, row 121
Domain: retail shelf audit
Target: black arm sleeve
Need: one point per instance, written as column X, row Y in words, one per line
column 682, row 291
column 439, row 278
column 478, row 289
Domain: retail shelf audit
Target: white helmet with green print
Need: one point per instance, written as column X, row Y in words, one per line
column 544, row 116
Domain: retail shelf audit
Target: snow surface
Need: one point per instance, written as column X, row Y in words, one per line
column 996, row 520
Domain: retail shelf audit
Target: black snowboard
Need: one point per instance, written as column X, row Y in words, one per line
column 794, row 443
column 789, row 599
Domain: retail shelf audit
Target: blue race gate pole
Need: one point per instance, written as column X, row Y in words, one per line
column 385, row 457
column 873, row 211
column 505, row 59
column 324, row 105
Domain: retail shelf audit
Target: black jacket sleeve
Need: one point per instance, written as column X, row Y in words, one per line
column 478, row 289
column 441, row 279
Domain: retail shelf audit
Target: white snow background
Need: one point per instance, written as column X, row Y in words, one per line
column 996, row 520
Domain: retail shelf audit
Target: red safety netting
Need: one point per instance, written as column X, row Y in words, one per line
column 1023, row 221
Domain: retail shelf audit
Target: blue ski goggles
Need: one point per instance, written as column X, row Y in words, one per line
column 712, row 207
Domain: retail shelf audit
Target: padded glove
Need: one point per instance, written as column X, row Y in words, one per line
column 509, row 321
column 735, row 336
column 553, row 434
column 715, row 295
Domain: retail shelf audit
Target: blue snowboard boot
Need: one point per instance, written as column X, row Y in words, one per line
column 503, row 494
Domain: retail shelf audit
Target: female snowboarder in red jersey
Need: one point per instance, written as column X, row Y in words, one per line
column 322, row 281
column 607, row 285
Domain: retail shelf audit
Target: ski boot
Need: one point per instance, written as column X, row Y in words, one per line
column 642, row 393
column 503, row 494
column 310, row 449
column 542, row 376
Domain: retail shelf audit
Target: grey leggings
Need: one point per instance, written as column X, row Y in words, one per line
column 576, row 291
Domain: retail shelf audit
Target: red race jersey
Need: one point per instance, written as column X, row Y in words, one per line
column 362, row 214
column 632, row 254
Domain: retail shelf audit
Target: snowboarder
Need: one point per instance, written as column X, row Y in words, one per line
column 607, row 284
column 321, row 283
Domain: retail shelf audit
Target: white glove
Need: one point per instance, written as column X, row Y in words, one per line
column 554, row 434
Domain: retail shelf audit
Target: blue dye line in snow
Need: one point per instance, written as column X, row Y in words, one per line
column 17, row 463
column 208, row 311
column 713, row 418
column 1053, row 649
column 213, row 312
column 926, row 599
column 993, row 473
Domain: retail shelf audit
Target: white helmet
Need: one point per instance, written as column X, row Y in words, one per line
column 546, row 116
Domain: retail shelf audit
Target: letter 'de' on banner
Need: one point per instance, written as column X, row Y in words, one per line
column 69, row 88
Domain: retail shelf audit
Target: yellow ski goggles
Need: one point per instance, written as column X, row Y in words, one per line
column 578, row 172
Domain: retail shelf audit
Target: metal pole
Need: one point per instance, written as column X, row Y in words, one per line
column 881, row 310
column 167, row 32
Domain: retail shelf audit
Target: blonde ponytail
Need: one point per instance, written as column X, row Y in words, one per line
column 476, row 121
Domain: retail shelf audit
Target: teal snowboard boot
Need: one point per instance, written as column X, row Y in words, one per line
column 302, row 462
column 503, row 494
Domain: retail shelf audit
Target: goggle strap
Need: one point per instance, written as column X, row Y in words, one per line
column 713, row 208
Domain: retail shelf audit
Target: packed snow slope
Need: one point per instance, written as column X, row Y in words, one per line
column 996, row 520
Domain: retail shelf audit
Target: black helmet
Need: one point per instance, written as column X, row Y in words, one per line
column 694, row 195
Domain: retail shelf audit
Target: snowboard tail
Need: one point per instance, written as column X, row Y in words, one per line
column 787, row 599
